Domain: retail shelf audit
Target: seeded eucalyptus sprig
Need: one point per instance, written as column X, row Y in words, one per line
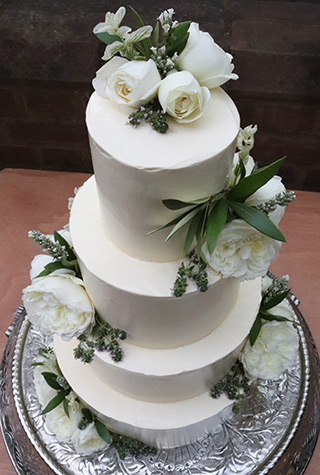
column 235, row 385
column 274, row 295
column 59, row 249
column 206, row 217
column 103, row 337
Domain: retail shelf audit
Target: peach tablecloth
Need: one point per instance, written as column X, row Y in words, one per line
column 32, row 199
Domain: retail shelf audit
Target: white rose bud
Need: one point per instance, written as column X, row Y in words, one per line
column 59, row 304
column 242, row 251
column 274, row 351
column 87, row 441
column 209, row 64
column 132, row 83
column 268, row 192
column 181, row 96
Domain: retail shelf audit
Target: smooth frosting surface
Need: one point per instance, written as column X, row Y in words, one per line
column 135, row 295
column 137, row 168
column 184, row 372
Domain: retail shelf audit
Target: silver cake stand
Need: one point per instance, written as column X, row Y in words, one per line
column 274, row 433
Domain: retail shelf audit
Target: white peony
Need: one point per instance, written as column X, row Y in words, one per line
column 59, row 304
column 209, row 64
column 87, row 441
column 63, row 426
column 268, row 192
column 274, row 351
column 242, row 251
column 132, row 83
column 181, row 96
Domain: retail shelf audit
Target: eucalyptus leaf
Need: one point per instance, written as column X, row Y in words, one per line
column 51, row 267
column 257, row 219
column 182, row 222
column 180, row 37
column 65, row 405
column 103, row 431
column 55, row 401
column 192, row 232
column 274, row 300
column 107, row 38
column 250, row 184
column 51, row 380
column 215, row 222
column 255, row 330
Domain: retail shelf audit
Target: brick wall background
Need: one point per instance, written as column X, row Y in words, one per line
column 48, row 57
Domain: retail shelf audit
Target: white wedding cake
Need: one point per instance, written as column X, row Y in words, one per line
column 176, row 347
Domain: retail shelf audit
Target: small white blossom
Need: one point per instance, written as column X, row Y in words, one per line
column 112, row 23
column 166, row 16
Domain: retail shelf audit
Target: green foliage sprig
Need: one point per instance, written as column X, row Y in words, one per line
column 151, row 113
column 195, row 270
column 206, row 217
column 235, row 385
column 103, row 337
column 128, row 446
column 59, row 249
column 274, row 295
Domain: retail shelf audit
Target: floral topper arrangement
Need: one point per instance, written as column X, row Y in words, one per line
column 168, row 69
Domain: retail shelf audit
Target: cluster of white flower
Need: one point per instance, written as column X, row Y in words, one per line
column 58, row 303
column 184, row 94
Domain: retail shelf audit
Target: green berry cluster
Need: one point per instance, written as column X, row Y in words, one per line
column 151, row 113
column 195, row 270
column 102, row 338
column 235, row 385
column 127, row 446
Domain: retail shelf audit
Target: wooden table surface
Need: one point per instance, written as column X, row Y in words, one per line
column 32, row 199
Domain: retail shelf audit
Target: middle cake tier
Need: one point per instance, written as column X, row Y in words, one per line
column 136, row 296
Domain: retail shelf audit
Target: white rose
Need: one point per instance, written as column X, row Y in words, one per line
column 181, row 96
column 274, row 351
column 87, row 441
column 61, row 425
column 209, row 64
column 58, row 303
column 268, row 192
column 242, row 251
column 131, row 83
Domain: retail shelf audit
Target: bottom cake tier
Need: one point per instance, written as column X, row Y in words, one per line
column 161, row 397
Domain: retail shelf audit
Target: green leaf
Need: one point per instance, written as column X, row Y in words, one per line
column 107, row 38
column 103, row 431
column 183, row 221
column 179, row 38
column 61, row 240
column 271, row 318
column 167, row 225
column 176, row 204
column 257, row 219
column 156, row 35
column 146, row 42
column 255, row 330
column 274, row 300
column 51, row 380
column 55, row 401
column 250, row 184
column 43, row 352
column 66, row 407
column 51, row 267
column 37, row 364
column 215, row 222
column 87, row 414
column 192, row 231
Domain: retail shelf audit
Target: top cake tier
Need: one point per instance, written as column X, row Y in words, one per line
column 136, row 169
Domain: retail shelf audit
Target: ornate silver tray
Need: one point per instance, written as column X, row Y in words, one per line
column 275, row 431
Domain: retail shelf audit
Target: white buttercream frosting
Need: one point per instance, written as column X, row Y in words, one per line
column 135, row 295
column 137, row 168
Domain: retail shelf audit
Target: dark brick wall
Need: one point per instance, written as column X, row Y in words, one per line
column 48, row 57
